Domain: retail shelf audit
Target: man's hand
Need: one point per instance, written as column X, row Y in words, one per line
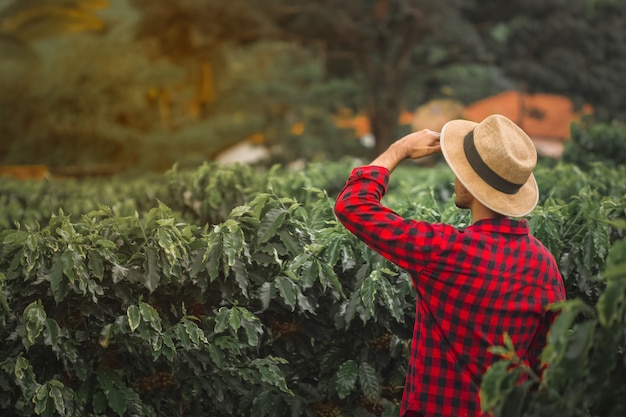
column 414, row 145
column 419, row 144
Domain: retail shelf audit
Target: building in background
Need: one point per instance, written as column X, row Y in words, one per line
column 546, row 118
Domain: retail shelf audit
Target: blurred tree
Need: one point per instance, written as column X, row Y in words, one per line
column 388, row 44
column 274, row 93
column 196, row 34
column 22, row 24
column 281, row 89
column 384, row 44
column 603, row 143
column 248, row 82
column 86, row 106
column 465, row 82
column 112, row 101
column 571, row 47
column 32, row 20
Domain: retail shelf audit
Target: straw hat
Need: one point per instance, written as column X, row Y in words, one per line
column 494, row 160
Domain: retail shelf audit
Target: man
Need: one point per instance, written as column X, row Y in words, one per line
column 473, row 285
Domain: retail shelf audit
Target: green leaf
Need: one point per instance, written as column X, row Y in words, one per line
column 332, row 251
column 391, row 410
column 490, row 394
column 351, row 308
column 165, row 240
column 368, row 293
column 252, row 332
column 213, row 257
column 150, row 315
column 241, row 211
column 57, row 396
column 118, row 273
column 292, row 243
column 196, row 264
column 35, row 321
column 105, row 335
column 221, row 320
column 71, row 262
column 169, row 347
column 181, row 333
column 513, row 403
column 106, row 244
column 560, row 330
column 241, row 276
column 24, row 373
column 579, row 343
column 305, row 304
column 217, row 355
column 114, row 389
column 611, row 303
column 347, row 257
column 134, row 317
column 152, row 275
column 501, row 351
column 51, row 333
column 233, row 241
column 270, row 224
column 40, row 399
column 266, row 293
column 262, row 404
column 615, row 271
column 616, row 260
column 368, row 380
column 234, row 319
column 329, row 274
column 96, row 264
column 58, row 284
column 271, row 373
column 288, row 290
column 196, row 335
column 310, row 273
column 156, row 344
column 346, row 378
column 99, row 402
column 117, row 401
column 508, row 342
column 390, row 298
column 252, row 326
column 3, row 300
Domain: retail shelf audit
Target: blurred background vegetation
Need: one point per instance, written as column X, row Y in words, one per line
column 110, row 86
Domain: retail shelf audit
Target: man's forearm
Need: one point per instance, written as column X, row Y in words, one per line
column 390, row 158
column 414, row 145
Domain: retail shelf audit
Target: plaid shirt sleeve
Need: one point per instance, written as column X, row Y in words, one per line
column 472, row 286
column 358, row 208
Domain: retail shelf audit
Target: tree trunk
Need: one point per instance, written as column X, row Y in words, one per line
column 384, row 123
column 383, row 110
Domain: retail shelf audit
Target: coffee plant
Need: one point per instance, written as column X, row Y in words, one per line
column 584, row 358
column 232, row 290
column 598, row 142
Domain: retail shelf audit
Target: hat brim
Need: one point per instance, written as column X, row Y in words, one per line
column 514, row 205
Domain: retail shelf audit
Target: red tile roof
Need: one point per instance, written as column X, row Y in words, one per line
column 542, row 116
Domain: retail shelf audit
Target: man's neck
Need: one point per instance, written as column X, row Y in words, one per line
column 480, row 212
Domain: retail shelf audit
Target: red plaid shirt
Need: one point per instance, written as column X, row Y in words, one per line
column 472, row 286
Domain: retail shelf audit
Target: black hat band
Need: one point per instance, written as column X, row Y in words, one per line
column 482, row 169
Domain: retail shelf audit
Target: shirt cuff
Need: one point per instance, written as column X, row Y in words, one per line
column 371, row 172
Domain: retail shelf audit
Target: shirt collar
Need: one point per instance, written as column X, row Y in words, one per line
column 506, row 225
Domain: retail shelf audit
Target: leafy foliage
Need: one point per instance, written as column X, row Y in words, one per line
column 599, row 142
column 231, row 290
column 584, row 359
column 551, row 46
column 105, row 307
